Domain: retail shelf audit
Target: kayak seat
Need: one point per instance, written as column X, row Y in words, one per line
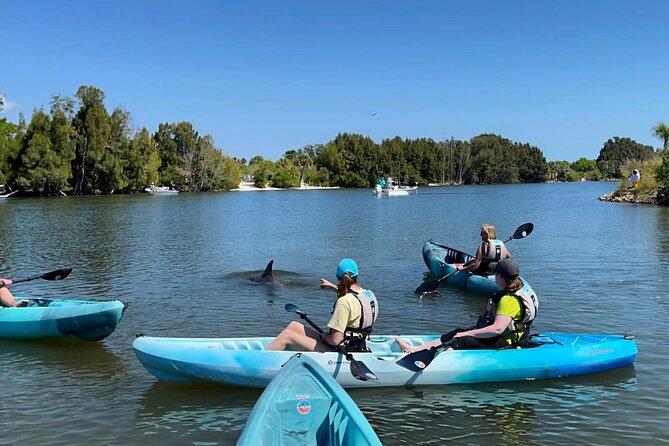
column 302, row 421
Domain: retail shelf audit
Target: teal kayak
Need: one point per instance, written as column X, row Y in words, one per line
column 441, row 260
column 245, row 362
column 304, row 405
column 47, row 318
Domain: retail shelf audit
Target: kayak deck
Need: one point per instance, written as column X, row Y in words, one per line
column 243, row 362
column 303, row 405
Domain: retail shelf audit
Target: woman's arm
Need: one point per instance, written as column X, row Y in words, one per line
column 496, row 329
column 473, row 264
column 333, row 338
column 325, row 283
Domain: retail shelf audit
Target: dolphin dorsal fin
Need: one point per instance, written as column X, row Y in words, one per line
column 268, row 269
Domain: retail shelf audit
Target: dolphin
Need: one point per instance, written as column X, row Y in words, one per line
column 266, row 276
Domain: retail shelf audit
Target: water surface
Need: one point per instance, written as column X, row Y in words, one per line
column 181, row 264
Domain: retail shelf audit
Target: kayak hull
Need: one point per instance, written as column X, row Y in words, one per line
column 304, row 405
column 441, row 260
column 48, row 318
column 243, row 362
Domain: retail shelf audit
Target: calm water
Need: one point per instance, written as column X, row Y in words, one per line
column 181, row 263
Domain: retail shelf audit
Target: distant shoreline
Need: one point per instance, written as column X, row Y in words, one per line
column 247, row 186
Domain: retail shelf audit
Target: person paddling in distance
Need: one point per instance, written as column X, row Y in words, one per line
column 6, row 297
column 490, row 250
column 505, row 323
column 353, row 316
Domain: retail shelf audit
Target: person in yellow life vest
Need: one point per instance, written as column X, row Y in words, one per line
column 505, row 323
column 490, row 251
column 353, row 316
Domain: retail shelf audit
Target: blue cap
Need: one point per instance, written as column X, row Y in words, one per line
column 347, row 266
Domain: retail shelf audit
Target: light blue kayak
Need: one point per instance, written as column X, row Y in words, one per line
column 245, row 362
column 441, row 260
column 46, row 318
column 304, row 405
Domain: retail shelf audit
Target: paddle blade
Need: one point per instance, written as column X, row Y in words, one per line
column 427, row 286
column 417, row 361
column 59, row 274
column 291, row 308
column 523, row 231
column 361, row 372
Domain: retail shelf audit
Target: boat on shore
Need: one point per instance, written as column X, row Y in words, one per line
column 49, row 318
column 245, row 362
column 161, row 190
column 3, row 192
column 304, row 405
column 395, row 191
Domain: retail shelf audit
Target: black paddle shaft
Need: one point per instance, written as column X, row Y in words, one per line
column 58, row 274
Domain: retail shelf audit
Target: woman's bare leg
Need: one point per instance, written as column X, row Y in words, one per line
column 297, row 337
column 6, row 298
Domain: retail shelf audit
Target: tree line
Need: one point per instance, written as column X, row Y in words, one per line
column 78, row 147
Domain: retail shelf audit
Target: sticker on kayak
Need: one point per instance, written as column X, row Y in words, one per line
column 303, row 407
column 420, row 364
column 302, row 396
column 370, row 375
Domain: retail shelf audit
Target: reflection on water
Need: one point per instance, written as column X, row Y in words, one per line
column 174, row 414
column 491, row 413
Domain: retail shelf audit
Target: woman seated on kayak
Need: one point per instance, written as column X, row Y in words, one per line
column 490, row 250
column 6, row 297
column 505, row 323
column 355, row 311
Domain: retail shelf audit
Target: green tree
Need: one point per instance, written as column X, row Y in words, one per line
column 617, row 151
column 8, row 148
column 143, row 161
column 661, row 131
column 93, row 128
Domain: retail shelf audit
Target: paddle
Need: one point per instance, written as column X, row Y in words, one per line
column 417, row 361
column 58, row 274
column 358, row 368
column 430, row 285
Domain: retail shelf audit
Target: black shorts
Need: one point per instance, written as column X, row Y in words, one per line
column 472, row 343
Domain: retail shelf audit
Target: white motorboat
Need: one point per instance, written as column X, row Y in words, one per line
column 395, row 191
column 161, row 190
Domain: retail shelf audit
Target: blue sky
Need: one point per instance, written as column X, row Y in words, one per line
column 263, row 77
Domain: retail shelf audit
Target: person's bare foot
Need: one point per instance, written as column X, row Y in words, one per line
column 405, row 346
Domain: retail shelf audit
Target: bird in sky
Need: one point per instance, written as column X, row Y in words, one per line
column 372, row 114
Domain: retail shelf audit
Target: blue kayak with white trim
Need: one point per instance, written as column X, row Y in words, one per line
column 304, row 405
column 245, row 362
column 441, row 260
column 47, row 318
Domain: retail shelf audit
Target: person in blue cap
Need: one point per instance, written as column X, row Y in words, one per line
column 353, row 316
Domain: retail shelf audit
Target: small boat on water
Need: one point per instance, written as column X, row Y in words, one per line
column 46, row 318
column 395, row 191
column 441, row 260
column 161, row 190
column 3, row 192
column 245, row 362
column 304, row 405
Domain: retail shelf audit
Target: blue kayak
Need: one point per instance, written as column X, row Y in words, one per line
column 304, row 405
column 46, row 318
column 245, row 362
column 441, row 260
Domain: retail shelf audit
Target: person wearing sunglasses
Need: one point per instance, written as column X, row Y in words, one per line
column 353, row 316
column 489, row 252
